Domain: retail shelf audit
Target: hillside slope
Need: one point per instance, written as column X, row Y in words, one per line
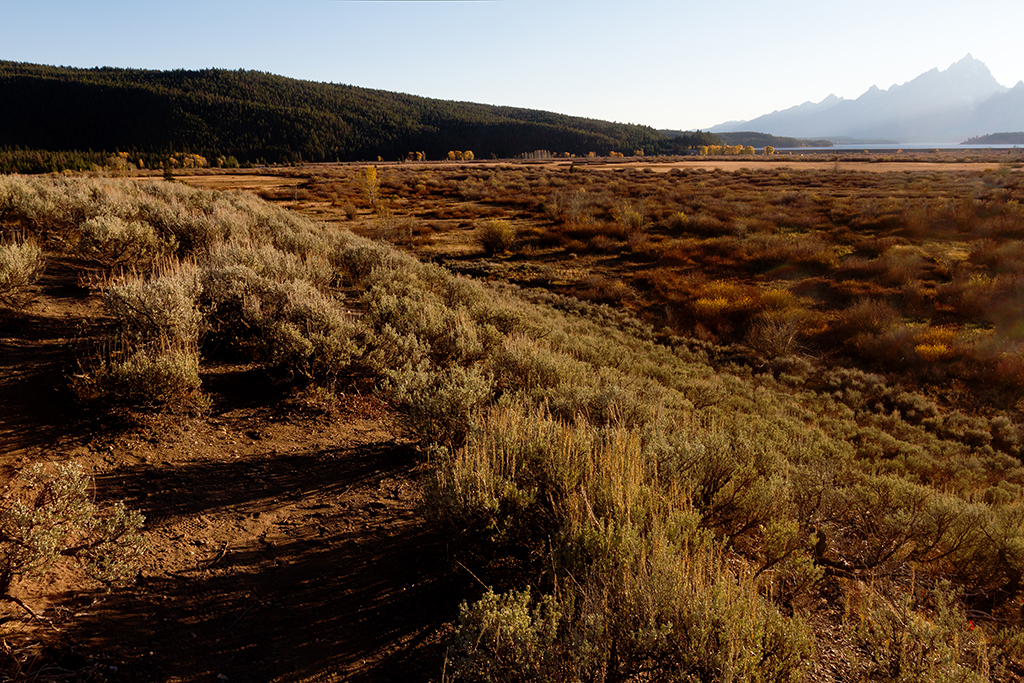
column 253, row 115
column 644, row 508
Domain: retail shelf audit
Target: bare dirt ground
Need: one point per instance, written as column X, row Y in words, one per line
column 284, row 539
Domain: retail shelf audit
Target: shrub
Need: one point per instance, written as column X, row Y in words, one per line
column 450, row 320
column 162, row 309
column 440, row 407
column 357, row 258
column 630, row 215
column 776, row 334
column 569, row 207
column 273, row 263
column 496, row 236
column 903, row 264
column 113, row 243
column 677, row 221
column 21, row 263
column 671, row 613
column 706, row 224
column 149, row 359
column 661, row 614
column 288, row 326
column 52, row 516
column 868, row 317
column 500, row 637
column 146, row 379
column 605, row 290
column 901, row 643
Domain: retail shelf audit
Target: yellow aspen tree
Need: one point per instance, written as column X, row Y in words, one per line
column 371, row 185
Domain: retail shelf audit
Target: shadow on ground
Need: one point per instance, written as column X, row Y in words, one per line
column 345, row 583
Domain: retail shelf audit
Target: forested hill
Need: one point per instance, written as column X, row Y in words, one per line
column 996, row 139
column 257, row 116
column 761, row 139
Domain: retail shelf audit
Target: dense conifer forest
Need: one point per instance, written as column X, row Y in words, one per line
column 997, row 139
column 259, row 117
column 763, row 139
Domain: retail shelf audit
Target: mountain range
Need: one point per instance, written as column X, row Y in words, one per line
column 963, row 101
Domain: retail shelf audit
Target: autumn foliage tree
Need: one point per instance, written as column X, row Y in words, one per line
column 371, row 185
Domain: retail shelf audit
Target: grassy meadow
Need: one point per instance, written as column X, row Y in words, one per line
column 698, row 425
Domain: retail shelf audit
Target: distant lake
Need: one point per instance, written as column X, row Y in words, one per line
column 891, row 146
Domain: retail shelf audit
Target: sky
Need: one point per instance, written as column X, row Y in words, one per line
column 668, row 64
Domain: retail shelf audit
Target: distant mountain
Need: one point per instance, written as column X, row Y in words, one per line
column 938, row 106
column 258, row 116
column 772, row 122
column 1002, row 111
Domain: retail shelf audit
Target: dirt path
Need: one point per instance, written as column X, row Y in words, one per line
column 33, row 353
column 280, row 552
column 284, row 540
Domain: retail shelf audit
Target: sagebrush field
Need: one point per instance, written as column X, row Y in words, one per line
column 696, row 424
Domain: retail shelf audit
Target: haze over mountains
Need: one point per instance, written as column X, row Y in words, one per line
column 963, row 101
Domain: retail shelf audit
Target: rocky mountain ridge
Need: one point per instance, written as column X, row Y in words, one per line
column 962, row 101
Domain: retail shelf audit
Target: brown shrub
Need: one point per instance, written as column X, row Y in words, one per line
column 496, row 236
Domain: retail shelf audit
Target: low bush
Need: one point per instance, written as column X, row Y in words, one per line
column 21, row 263
column 288, row 326
column 904, row 641
column 162, row 309
column 440, row 407
column 146, row 379
column 114, row 244
column 275, row 264
column 507, row 637
column 666, row 613
column 496, row 236
column 149, row 358
column 49, row 517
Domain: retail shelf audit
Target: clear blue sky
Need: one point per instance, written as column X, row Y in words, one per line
column 667, row 64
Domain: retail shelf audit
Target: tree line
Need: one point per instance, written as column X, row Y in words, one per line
column 753, row 139
column 260, row 117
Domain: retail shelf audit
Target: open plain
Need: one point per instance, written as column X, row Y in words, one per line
column 291, row 535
